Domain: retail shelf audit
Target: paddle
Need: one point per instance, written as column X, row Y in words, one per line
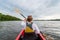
column 20, row 12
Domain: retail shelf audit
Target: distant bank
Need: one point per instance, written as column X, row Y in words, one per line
column 12, row 18
column 8, row 18
column 49, row 20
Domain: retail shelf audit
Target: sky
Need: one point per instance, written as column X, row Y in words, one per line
column 39, row 9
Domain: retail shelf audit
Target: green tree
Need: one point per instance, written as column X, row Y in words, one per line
column 7, row 18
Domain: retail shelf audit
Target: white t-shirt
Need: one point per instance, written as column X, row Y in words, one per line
column 34, row 26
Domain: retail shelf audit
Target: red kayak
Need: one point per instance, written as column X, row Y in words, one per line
column 40, row 36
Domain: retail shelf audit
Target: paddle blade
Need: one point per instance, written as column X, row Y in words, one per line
column 17, row 10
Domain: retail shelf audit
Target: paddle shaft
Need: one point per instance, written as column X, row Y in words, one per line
column 22, row 15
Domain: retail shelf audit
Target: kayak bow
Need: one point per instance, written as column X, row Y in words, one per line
column 41, row 37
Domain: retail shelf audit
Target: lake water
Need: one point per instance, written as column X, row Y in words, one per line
column 10, row 29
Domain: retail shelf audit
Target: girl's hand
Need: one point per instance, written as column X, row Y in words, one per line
column 25, row 20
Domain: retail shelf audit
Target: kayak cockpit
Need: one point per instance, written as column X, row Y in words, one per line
column 37, row 38
column 21, row 36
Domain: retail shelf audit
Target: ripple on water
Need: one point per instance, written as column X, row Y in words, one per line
column 9, row 30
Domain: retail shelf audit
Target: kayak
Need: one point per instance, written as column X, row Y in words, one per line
column 40, row 36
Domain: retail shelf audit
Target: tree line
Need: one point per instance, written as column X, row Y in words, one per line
column 8, row 18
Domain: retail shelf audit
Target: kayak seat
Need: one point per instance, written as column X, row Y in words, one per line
column 29, row 36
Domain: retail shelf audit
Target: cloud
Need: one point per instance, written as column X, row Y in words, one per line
column 42, row 9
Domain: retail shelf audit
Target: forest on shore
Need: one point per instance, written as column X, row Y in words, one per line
column 8, row 18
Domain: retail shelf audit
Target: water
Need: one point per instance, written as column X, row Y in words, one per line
column 10, row 29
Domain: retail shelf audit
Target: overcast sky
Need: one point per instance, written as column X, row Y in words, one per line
column 40, row 9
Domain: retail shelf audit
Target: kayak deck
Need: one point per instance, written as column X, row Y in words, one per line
column 21, row 34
